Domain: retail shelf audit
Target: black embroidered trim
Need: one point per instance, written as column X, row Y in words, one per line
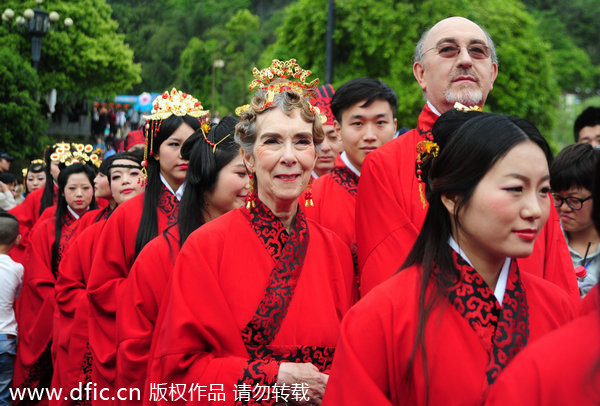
column 507, row 326
column 347, row 179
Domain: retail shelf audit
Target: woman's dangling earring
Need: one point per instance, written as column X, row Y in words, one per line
column 308, row 201
column 251, row 197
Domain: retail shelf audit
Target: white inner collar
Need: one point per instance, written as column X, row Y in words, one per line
column 502, row 278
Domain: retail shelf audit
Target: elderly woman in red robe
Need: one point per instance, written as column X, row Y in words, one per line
column 257, row 295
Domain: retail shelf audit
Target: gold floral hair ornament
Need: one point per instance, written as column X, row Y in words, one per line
column 205, row 127
column 76, row 153
column 164, row 106
column 37, row 161
column 425, row 150
column 283, row 76
column 461, row 107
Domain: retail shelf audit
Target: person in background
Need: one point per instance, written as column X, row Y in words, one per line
column 5, row 161
column 8, row 181
column 35, row 176
column 586, row 128
column 441, row 330
column 571, row 178
column 331, row 147
column 134, row 141
column 11, row 277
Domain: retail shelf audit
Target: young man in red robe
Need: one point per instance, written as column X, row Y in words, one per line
column 364, row 111
column 389, row 208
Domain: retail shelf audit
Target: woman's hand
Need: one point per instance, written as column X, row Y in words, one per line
column 293, row 373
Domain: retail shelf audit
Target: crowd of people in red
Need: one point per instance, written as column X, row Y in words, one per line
column 309, row 252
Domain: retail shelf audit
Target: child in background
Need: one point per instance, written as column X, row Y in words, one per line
column 11, row 276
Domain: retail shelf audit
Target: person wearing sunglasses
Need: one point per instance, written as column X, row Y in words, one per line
column 454, row 62
column 571, row 179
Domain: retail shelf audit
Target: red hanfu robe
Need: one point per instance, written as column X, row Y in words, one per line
column 560, row 369
column 114, row 256
column 390, row 214
column 72, row 346
column 36, row 305
column 469, row 338
column 138, row 309
column 28, row 213
column 245, row 296
column 334, row 197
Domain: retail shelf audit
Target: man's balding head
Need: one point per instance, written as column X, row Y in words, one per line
column 466, row 77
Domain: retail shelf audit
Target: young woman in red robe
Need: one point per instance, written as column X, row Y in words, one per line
column 29, row 211
column 443, row 328
column 175, row 116
column 216, row 183
column 257, row 295
column 36, row 306
column 563, row 368
column 123, row 173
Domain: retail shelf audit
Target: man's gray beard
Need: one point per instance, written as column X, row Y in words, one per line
column 468, row 97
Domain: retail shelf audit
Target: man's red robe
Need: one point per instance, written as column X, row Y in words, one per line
column 245, row 296
column 390, row 214
column 469, row 339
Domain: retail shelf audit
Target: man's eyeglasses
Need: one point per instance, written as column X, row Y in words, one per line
column 476, row 51
column 574, row 203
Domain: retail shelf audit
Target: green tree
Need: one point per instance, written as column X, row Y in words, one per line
column 238, row 44
column 23, row 128
column 377, row 39
column 87, row 60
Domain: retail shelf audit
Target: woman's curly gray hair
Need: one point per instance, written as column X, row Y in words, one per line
column 245, row 130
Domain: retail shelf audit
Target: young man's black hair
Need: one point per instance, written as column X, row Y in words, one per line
column 590, row 117
column 360, row 89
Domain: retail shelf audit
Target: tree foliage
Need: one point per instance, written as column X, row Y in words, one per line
column 23, row 128
column 88, row 59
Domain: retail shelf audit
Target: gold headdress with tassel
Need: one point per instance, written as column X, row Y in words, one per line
column 164, row 106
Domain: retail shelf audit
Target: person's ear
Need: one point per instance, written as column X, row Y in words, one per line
column 450, row 202
column 248, row 161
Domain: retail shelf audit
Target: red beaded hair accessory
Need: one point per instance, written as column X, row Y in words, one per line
column 164, row 106
column 283, row 76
